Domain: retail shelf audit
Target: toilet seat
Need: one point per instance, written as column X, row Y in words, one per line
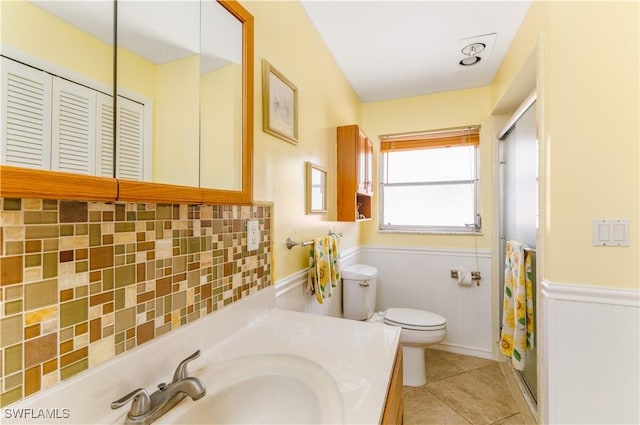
column 419, row 320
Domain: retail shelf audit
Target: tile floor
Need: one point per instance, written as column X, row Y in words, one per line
column 464, row 390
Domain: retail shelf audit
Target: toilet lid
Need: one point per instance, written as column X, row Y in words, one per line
column 409, row 318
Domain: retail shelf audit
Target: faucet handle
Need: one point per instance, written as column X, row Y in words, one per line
column 139, row 406
column 181, row 370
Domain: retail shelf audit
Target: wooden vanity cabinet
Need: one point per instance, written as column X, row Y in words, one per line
column 394, row 406
column 355, row 174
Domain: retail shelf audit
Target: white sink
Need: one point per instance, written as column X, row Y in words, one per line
column 263, row 389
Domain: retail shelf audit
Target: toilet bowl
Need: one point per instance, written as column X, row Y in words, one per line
column 419, row 328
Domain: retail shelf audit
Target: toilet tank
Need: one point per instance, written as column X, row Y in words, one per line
column 359, row 291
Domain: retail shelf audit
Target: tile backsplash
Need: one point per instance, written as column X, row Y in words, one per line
column 82, row 282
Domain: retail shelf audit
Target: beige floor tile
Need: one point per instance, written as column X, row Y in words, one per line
column 466, row 390
column 423, row 408
column 481, row 395
column 516, row 419
column 509, row 375
column 441, row 364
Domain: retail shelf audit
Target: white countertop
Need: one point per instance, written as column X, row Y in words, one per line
column 358, row 355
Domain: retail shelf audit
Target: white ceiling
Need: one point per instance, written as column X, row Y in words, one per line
column 160, row 31
column 394, row 49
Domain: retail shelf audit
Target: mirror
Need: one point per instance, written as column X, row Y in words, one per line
column 220, row 98
column 316, row 189
column 158, row 48
column 180, row 93
column 75, row 40
column 57, row 86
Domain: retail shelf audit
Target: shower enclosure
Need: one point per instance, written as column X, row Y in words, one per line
column 519, row 205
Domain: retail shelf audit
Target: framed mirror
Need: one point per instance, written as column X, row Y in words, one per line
column 316, row 185
column 202, row 120
column 76, row 40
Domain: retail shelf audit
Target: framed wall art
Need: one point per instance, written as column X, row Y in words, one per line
column 279, row 104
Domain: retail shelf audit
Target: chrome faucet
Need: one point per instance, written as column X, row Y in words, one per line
column 147, row 408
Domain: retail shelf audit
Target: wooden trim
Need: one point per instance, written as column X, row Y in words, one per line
column 16, row 182
column 244, row 196
column 136, row 191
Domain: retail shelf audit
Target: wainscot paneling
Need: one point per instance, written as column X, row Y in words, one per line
column 421, row 278
column 592, row 351
column 415, row 278
column 292, row 293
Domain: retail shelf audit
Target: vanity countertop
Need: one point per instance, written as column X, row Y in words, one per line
column 358, row 355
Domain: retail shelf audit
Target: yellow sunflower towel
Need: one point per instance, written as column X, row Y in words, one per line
column 324, row 266
column 517, row 309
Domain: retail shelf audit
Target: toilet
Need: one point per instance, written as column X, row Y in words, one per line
column 419, row 328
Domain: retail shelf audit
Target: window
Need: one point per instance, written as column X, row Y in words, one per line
column 429, row 181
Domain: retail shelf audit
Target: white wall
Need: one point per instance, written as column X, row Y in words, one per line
column 292, row 294
column 593, row 354
column 421, row 278
column 416, row 278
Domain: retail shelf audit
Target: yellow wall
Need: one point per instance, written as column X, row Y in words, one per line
column 286, row 38
column 589, row 109
column 434, row 111
column 220, row 159
column 176, row 134
column 33, row 31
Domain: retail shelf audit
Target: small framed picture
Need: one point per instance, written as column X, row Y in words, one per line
column 279, row 104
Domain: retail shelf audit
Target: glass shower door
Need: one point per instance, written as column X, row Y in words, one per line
column 519, row 206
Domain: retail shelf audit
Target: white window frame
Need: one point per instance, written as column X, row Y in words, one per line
column 468, row 228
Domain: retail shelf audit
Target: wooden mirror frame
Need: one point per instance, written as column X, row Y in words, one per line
column 310, row 168
column 16, row 182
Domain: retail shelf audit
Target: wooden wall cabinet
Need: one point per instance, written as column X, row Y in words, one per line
column 355, row 174
column 394, row 406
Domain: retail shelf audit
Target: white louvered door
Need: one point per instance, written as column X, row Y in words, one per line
column 104, row 135
column 130, row 131
column 73, row 128
column 52, row 123
column 26, row 116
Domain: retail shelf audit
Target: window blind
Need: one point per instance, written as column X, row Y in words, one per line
column 433, row 139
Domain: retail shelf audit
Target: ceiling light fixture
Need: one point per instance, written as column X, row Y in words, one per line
column 471, row 51
column 471, row 60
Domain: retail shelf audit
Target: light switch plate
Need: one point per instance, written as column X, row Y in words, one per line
column 253, row 234
column 612, row 232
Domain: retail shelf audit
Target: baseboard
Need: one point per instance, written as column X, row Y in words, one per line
column 466, row 351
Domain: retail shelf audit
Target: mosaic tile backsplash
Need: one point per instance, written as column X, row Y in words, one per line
column 82, row 282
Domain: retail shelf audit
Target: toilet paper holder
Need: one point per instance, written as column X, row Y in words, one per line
column 455, row 274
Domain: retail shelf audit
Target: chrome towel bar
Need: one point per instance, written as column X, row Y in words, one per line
column 291, row 243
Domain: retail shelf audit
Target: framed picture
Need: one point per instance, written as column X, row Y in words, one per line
column 279, row 104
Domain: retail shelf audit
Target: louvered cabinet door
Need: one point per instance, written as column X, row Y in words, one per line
column 104, row 136
column 26, row 116
column 73, row 128
column 130, row 131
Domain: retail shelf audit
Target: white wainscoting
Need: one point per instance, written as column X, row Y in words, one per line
column 593, row 354
column 292, row 294
column 415, row 278
column 421, row 278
